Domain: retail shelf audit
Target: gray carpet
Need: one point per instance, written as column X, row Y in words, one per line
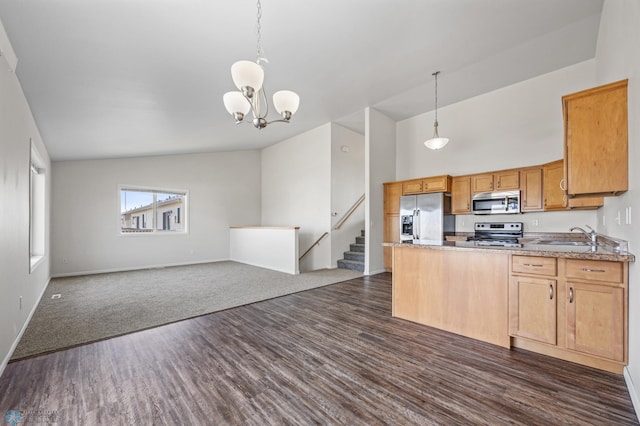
column 95, row 307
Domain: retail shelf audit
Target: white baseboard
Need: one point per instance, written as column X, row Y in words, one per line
column 22, row 330
column 377, row 271
column 135, row 268
column 632, row 391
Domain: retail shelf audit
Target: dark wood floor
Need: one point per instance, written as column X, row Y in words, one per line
column 331, row 355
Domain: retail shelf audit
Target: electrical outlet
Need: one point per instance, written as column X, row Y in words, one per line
column 604, row 221
column 535, row 222
column 628, row 215
column 618, row 220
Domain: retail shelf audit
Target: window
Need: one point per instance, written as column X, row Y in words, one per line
column 152, row 211
column 36, row 208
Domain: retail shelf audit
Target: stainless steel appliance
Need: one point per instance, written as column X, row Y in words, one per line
column 426, row 217
column 505, row 202
column 502, row 234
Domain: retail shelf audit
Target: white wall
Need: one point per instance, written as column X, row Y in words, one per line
column 518, row 125
column 380, row 141
column 515, row 126
column 17, row 127
column 618, row 58
column 296, row 191
column 224, row 190
column 347, row 186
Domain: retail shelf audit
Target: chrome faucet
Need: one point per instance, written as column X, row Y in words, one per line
column 592, row 236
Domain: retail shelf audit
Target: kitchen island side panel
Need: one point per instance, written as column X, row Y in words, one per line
column 463, row 292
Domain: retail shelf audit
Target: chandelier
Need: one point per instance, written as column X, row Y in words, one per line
column 436, row 142
column 248, row 77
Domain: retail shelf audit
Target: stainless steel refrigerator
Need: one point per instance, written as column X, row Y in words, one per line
column 426, row 217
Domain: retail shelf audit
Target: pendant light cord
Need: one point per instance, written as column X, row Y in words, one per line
column 436, row 74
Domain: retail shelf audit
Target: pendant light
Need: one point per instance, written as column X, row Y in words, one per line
column 436, row 142
column 248, row 77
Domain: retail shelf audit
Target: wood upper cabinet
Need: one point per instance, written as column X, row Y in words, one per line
column 596, row 140
column 555, row 197
column 426, row 185
column 553, row 181
column 498, row 181
column 531, row 185
column 596, row 308
column 392, row 194
column 461, row 195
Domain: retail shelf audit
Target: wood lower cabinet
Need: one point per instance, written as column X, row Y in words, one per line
column 595, row 319
column 461, row 195
column 577, row 312
column 533, row 308
column 391, row 231
column 431, row 287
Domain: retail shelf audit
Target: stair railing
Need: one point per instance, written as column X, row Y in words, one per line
column 348, row 214
column 313, row 245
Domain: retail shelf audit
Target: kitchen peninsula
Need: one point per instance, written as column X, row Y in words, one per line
column 565, row 301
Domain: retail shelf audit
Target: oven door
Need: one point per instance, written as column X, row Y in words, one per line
column 506, row 202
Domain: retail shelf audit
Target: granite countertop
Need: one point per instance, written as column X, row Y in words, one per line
column 602, row 252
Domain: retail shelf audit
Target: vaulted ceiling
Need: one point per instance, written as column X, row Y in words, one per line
column 113, row 78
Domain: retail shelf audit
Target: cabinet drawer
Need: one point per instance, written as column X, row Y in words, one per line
column 594, row 270
column 534, row 265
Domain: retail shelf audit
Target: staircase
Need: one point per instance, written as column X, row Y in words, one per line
column 354, row 258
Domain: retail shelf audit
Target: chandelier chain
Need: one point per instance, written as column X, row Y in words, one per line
column 259, row 52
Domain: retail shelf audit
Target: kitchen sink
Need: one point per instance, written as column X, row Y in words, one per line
column 562, row 243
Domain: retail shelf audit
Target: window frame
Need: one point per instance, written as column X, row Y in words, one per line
column 37, row 207
column 154, row 224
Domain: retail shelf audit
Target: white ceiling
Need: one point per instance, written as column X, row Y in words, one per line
column 115, row 78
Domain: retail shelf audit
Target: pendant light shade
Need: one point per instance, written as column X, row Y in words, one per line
column 436, row 142
column 235, row 103
column 247, row 74
column 286, row 101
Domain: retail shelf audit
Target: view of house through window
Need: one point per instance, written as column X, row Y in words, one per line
column 148, row 211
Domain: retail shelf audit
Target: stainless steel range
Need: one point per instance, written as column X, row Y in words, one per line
column 500, row 234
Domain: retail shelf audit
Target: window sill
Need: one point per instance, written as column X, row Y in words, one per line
column 35, row 261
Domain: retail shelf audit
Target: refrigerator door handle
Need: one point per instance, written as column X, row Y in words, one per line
column 416, row 224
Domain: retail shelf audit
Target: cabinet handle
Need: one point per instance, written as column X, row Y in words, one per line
column 570, row 294
column 592, row 270
column 532, row 265
column 563, row 187
column 550, row 291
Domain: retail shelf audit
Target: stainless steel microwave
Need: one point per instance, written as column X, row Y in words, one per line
column 505, row 202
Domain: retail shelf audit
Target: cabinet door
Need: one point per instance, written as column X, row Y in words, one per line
column 412, row 187
column 596, row 140
column 391, row 235
column 436, row 184
column 507, row 180
column 482, row 183
column 595, row 319
column 461, row 195
column 392, row 194
column 533, row 308
column 553, row 179
column 531, row 189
